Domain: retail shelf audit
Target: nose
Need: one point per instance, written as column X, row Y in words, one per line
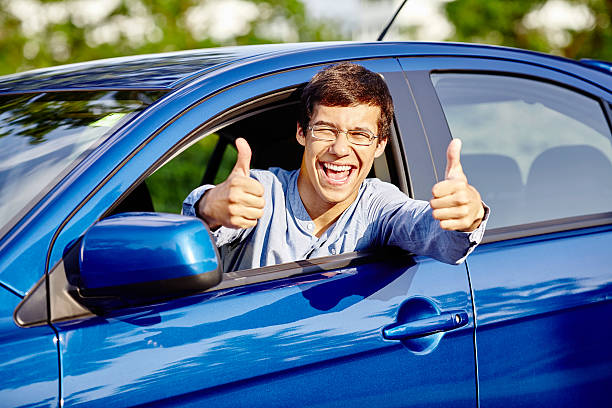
column 340, row 147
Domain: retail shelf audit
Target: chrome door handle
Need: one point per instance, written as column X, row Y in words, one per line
column 424, row 327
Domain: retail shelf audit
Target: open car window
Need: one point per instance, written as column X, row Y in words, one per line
column 270, row 131
column 270, row 128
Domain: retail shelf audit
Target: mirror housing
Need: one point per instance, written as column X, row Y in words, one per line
column 130, row 258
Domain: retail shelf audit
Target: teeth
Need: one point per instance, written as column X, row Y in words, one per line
column 336, row 167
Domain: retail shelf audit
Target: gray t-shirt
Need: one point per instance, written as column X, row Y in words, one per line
column 380, row 216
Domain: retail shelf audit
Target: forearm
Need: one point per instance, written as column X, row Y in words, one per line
column 413, row 228
column 203, row 211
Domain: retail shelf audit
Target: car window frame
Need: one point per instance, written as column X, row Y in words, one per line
column 58, row 288
column 439, row 134
column 253, row 106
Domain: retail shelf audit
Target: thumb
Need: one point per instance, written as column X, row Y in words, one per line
column 453, row 161
column 243, row 162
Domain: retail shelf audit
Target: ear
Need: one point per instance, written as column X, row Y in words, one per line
column 299, row 135
column 380, row 147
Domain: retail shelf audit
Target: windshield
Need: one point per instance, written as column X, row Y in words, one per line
column 44, row 135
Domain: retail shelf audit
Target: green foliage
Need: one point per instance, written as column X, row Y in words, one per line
column 62, row 32
column 503, row 23
column 170, row 184
column 595, row 43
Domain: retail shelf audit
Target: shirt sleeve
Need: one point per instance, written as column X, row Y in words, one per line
column 409, row 224
column 222, row 235
column 193, row 197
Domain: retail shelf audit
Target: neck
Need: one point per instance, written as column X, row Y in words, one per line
column 323, row 214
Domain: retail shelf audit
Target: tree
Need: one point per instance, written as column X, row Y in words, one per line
column 522, row 23
column 38, row 33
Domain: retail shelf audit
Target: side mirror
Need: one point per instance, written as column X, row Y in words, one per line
column 133, row 258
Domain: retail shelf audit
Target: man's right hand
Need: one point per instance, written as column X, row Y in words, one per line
column 238, row 202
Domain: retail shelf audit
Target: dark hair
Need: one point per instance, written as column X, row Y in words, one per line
column 347, row 84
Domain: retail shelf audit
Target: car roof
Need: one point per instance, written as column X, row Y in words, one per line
column 168, row 71
column 150, row 71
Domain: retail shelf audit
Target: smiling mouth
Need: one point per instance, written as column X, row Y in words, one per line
column 337, row 173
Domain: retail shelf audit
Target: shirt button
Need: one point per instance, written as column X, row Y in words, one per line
column 309, row 226
column 333, row 251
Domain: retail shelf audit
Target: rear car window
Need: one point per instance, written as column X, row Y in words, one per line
column 44, row 135
column 536, row 151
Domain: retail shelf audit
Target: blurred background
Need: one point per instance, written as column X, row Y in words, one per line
column 39, row 33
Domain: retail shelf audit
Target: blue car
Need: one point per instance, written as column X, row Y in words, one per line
column 110, row 297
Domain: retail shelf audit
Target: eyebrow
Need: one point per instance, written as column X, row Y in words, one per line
column 322, row 122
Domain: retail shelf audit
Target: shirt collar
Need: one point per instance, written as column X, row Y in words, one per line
column 295, row 201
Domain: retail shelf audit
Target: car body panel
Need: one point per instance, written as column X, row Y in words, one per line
column 542, row 307
column 262, row 338
column 28, row 360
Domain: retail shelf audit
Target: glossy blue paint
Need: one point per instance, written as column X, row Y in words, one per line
column 603, row 65
column 135, row 248
column 542, row 305
column 28, row 360
column 313, row 340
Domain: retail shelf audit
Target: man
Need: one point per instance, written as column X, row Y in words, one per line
column 328, row 207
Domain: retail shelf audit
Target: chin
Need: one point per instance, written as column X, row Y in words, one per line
column 337, row 195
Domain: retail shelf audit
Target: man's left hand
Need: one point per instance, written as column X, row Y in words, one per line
column 455, row 203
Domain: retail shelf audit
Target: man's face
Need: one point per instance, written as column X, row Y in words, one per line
column 332, row 172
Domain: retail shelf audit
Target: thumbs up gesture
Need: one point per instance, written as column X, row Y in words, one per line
column 238, row 202
column 455, row 203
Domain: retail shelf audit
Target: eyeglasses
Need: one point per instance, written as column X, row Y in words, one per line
column 330, row 134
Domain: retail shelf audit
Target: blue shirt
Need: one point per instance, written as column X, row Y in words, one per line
column 380, row 216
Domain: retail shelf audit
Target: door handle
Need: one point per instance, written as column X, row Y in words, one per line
column 429, row 325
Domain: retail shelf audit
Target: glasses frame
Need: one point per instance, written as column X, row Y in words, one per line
column 346, row 132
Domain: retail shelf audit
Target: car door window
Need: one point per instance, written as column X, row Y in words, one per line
column 536, row 151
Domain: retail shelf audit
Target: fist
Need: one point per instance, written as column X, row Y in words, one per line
column 455, row 203
column 238, row 202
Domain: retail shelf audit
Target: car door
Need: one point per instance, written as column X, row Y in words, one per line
column 537, row 145
column 306, row 333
